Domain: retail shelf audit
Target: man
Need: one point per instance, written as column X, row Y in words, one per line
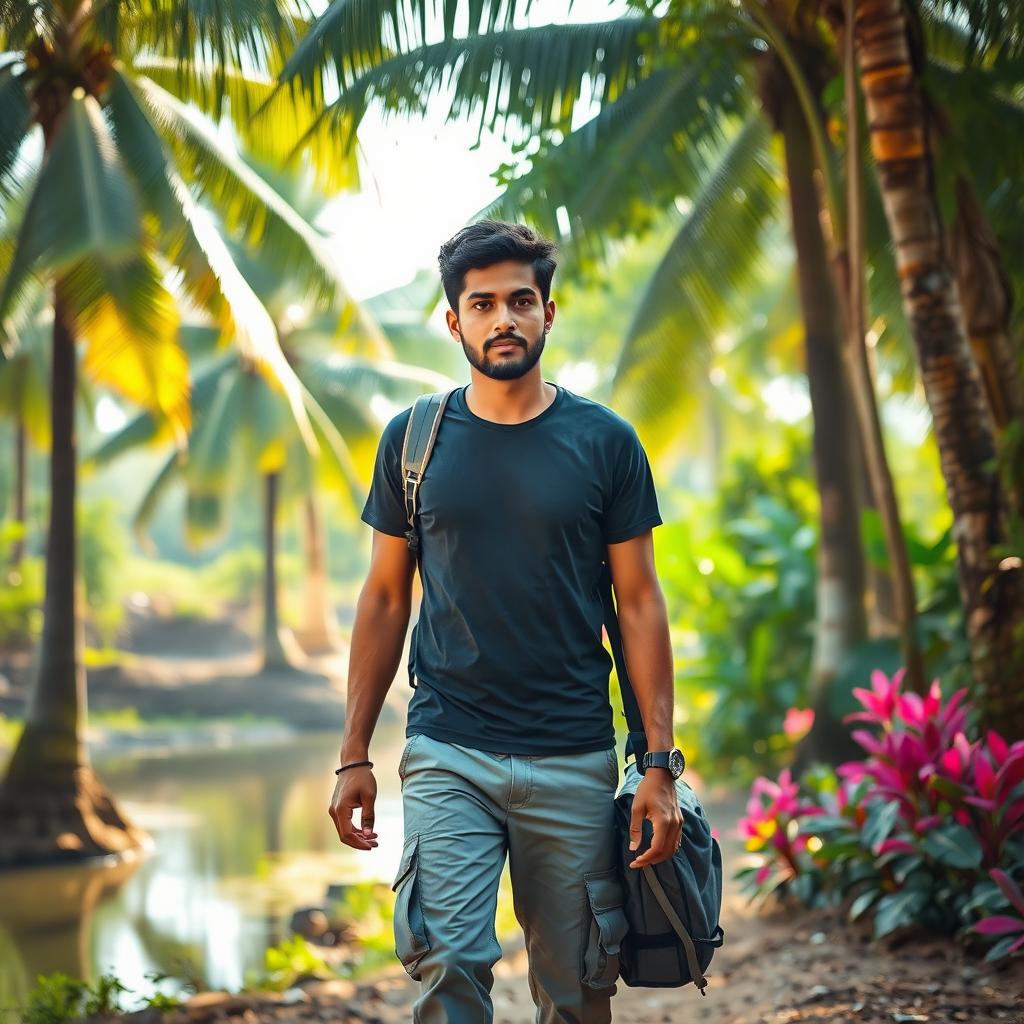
column 510, row 740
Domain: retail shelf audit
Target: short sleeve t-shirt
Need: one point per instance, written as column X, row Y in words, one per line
column 513, row 521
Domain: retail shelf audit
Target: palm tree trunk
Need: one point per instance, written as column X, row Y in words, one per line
column 986, row 296
column 841, row 620
column 990, row 589
column 319, row 632
column 274, row 655
column 20, row 490
column 52, row 805
column 850, row 274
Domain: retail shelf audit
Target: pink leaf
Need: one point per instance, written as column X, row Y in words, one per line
column 897, row 844
column 997, row 745
column 999, row 925
column 980, row 801
column 984, row 776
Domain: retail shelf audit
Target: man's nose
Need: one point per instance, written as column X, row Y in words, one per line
column 506, row 323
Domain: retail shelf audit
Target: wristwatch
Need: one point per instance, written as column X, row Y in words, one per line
column 672, row 759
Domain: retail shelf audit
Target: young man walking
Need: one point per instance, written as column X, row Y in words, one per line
column 510, row 741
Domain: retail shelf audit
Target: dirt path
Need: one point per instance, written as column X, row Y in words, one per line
column 775, row 968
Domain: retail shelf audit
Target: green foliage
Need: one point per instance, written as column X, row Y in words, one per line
column 286, row 963
column 58, row 997
column 739, row 573
column 103, row 550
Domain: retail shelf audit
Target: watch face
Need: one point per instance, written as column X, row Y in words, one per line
column 676, row 763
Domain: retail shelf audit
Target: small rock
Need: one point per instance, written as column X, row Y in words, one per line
column 910, row 1018
column 817, row 938
column 309, row 922
column 820, row 990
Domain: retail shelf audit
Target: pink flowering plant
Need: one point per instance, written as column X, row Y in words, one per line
column 926, row 829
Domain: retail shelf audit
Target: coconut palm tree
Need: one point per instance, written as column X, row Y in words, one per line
column 110, row 209
column 991, row 584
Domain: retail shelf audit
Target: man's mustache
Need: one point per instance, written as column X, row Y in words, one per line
column 507, row 337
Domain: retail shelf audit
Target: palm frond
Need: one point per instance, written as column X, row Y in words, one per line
column 532, row 78
column 227, row 33
column 129, row 320
column 990, row 31
column 22, row 21
column 268, row 121
column 146, row 429
column 83, row 203
column 15, row 117
column 247, row 204
column 715, row 253
column 616, row 173
column 352, row 35
column 193, row 242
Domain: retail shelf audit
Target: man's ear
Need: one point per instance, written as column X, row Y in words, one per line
column 452, row 319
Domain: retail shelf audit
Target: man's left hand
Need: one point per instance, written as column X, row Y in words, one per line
column 656, row 799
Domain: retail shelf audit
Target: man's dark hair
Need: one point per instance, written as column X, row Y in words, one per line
column 488, row 242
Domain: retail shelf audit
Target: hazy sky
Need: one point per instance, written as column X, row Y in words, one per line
column 421, row 182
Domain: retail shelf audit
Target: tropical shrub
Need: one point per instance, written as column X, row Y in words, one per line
column 927, row 829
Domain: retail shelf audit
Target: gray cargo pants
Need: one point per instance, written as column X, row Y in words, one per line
column 463, row 809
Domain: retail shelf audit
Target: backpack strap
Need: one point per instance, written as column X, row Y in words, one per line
column 696, row 974
column 420, row 435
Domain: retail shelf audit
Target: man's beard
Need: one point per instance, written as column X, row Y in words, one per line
column 506, row 367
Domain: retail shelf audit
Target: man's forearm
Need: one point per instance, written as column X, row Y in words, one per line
column 648, row 651
column 378, row 635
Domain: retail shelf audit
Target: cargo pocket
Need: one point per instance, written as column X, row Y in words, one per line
column 607, row 928
column 410, row 931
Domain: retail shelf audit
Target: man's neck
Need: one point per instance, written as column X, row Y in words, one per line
column 509, row 401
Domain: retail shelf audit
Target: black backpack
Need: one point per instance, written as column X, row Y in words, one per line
column 671, row 908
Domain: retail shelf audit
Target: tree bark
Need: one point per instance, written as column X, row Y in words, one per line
column 52, row 805
column 841, row 620
column 986, row 295
column 990, row 588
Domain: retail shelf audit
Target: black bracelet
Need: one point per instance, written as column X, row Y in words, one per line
column 354, row 764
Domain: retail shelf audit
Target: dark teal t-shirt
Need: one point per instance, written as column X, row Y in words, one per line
column 514, row 519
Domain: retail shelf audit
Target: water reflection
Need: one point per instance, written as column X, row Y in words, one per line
column 242, row 838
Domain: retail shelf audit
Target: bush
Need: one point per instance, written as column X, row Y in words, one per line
column 58, row 997
column 927, row 829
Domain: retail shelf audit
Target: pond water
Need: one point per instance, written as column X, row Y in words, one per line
column 242, row 838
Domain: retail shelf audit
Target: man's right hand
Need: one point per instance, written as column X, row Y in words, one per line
column 356, row 787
